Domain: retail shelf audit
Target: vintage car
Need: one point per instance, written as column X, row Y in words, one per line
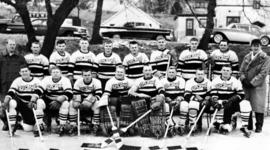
column 15, row 26
column 131, row 30
column 236, row 32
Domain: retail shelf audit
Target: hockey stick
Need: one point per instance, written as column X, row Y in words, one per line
column 168, row 65
column 9, row 125
column 78, row 123
column 37, row 124
column 134, row 122
column 193, row 127
column 208, row 131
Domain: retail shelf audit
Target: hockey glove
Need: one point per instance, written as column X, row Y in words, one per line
column 86, row 105
column 55, row 105
column 5, row 104
column 32, row 104
column 206, row 101
column 247, row 84
column 217, row 105
column 76, row 104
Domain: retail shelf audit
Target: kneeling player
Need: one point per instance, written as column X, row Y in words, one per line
column 197, row 92
column 147, row 89
column 174, row 88
column 87, row 92
column 227, row 96
column 23, row 97
column 57, row 93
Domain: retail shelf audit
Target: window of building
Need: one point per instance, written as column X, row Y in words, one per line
column 256, row 4
column 203, row 21
column 200, row 5
column 232, row 19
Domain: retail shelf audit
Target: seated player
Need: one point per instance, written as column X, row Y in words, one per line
column 174, row 87
column 197, row 92
column 150, row 96
column 22, row 97
column 87, row 92
column 227, row 96
column 116, row 97
column 57, row 94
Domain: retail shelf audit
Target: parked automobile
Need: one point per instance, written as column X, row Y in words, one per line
column 15, row 26
column 236, row 32
column 136, row 30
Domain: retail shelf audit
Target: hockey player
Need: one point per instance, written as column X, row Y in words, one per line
column 227, row 96
column 159, row 58
column 37, row 63
column 148, row 90
column 174, row 87
column 24, row 95
column 61, row 58
column 107, row 62
column 191, row 59
column 197, row 94
column 116, row 97
column 83, row 59
column 135, row 61
column 57, row 94
column 87, row 92
column 223, row 56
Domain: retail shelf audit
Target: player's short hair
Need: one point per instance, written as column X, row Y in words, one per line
column 23, row 66
column 60, row 42
column 194, row 39
column 86, row 70
column 84, row 39
column 120, row 67
column 227, row 66
column 172, row 68
column 255, row 42
column 35, row 42
column 133, row 42
column 224, row 40
column 107, row 41
column 160, row 37
column 54, row 68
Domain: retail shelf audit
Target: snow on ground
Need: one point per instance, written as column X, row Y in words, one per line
column 233, row 141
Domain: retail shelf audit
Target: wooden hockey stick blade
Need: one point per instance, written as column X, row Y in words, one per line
column 154, row 147
column 53, row 149
column 91, row 145
column 176, row 147
column 192, row 148
column 130, row 147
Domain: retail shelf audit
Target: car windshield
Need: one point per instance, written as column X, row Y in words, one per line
column 39, row 22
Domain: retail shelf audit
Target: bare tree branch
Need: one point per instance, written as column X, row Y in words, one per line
column 49, row 8
column 9, row 2
column 194, row 14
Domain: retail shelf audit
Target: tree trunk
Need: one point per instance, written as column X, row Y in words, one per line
column 54, row 23
column 209, row 25
column 24, row 13
column 96, row 38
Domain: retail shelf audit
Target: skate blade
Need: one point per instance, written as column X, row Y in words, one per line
column 130, row 147
column 91, row 145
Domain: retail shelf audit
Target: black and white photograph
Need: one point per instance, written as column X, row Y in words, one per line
column 134, row 74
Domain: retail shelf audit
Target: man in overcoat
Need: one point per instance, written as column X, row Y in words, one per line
column 253, row 72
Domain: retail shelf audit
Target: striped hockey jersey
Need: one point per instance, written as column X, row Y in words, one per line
column 24, row 90
column 54, row 88
column 226, row 89
column 134, row 65
column 150, row 86
column 173, row 88
column 84, row 89
column 189, row 61
column 38, row 64
column 194, row 88
column 159, row 60
column 61, row 61
column 224, row 58
column 116, row 88
column 80, row 60
column 107, row 65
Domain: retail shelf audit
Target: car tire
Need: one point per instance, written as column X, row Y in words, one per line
column 265, row 40
column 218, row 37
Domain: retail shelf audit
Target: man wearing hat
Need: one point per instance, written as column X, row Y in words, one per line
column 253, row 71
